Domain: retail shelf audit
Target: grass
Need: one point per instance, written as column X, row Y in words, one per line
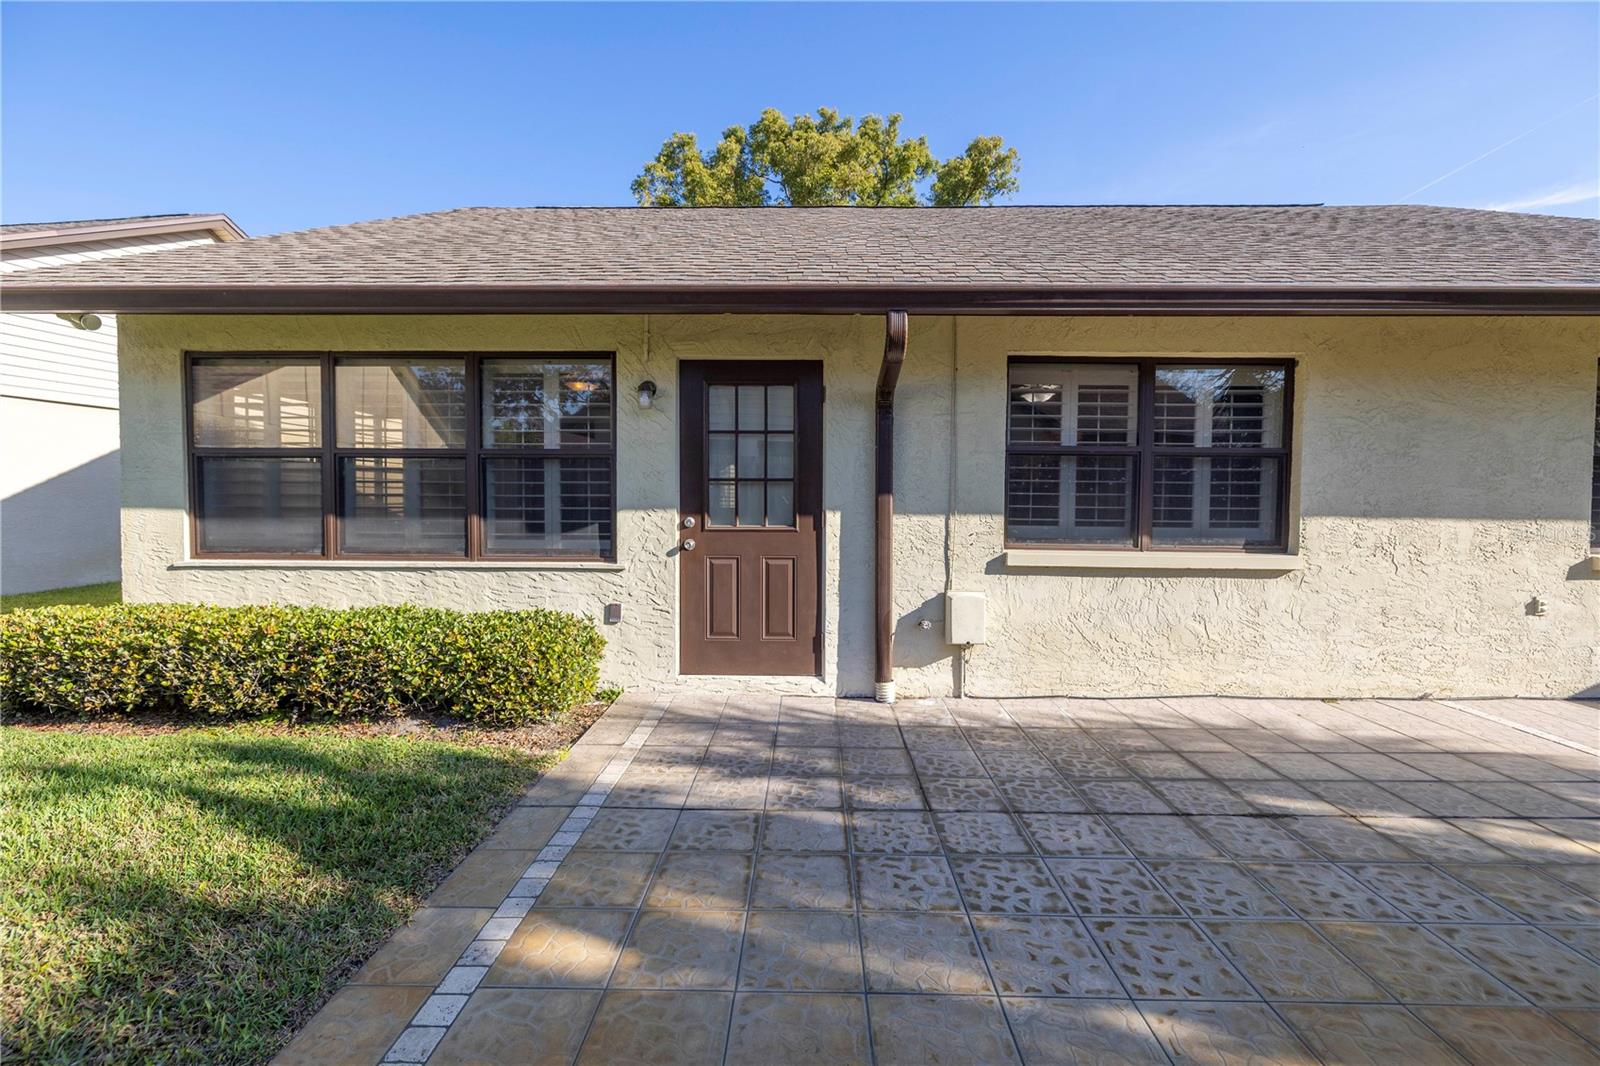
column 91, row 595
column 191, row 896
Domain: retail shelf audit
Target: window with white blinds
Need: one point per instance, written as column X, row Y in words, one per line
column 1146, row 454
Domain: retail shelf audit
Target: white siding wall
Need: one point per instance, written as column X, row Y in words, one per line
column 44, row 358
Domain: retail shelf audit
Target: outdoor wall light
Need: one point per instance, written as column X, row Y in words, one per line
column 81, row 321
column 647, row 394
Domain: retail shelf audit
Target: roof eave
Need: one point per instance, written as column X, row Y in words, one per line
column 218, row 225
column 1173, row 299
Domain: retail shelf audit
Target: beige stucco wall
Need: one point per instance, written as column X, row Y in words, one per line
column 1441, row 482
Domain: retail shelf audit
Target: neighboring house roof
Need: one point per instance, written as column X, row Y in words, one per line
column 15, row 235
column 1069, row 259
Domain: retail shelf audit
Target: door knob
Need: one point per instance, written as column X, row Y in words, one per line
column 688, row 522
column 688, row 545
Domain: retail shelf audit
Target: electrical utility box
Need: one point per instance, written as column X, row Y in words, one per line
column 965, row 618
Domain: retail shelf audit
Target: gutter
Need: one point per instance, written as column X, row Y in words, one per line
column 894, row 355
column 28, row 294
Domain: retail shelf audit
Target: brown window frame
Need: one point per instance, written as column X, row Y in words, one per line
column 1145, row 451
column 475, row 455
column 1594, row 478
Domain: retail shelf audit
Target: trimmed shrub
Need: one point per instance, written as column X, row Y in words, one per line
column 495, row 666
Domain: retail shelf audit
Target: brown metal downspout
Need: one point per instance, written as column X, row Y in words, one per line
column 894, row 354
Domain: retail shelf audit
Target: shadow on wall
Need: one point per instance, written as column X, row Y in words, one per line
column 63, row 531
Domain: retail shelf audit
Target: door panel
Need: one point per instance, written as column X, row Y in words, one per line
column 750, row 522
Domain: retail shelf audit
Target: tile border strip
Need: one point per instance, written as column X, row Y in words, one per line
column 439, row 1011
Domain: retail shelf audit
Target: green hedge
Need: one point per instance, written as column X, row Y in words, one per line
column 496, row 666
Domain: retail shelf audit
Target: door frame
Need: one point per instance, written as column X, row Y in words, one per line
column 810, row 453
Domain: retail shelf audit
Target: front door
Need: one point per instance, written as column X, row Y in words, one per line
column 750, row 527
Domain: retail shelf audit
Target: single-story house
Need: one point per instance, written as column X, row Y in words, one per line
column 1273, row 450
column 59, row 515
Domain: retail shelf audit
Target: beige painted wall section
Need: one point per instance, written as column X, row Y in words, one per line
column 1442, row 481
column 643, row 648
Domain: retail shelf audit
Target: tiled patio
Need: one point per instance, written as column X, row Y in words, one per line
column 1049, row 881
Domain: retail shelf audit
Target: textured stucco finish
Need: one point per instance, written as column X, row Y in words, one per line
column 1441, row 480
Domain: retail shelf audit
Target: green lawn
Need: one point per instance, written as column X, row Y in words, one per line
column 94, row 595
column 192, row 896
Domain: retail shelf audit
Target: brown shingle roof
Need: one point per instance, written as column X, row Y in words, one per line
column 859, row 249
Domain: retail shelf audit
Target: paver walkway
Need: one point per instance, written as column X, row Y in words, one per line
column 1201, row 880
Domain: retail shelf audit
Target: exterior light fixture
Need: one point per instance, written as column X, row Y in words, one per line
column 1038, row 394
column 647, row 394
column 81, row 321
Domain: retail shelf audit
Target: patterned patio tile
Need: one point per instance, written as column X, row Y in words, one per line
column 358, row 1024
column 947, row 762
column 629, row 829
column 1072, row 834
column 801, row 882
column 599, row 879
column 527, row 828
column 1251, row 838
column 1224, row 1034
column 1414, row 965
column 715, row 831
column 1547, row 972
column 703, row 880
column 727, row 790
column 1344, row 839
column 1376, row 767
column 981, row 833
column 1443, row 799
column 804, row 793
column 1216, row 889
column 540, row 1027
column 1003, row 884
column 1508, row 1035
column 1016, row 762
column 893, row 832
column 1547, row 841
column 789, row 1030
column 1282, row 798
column 1322, row 891
column 1428, row 894
column 562, row 948
column 1528, row 800
column 940, row 1031
column 1167, row 765
column 1087, row 765
column 922, row 953
column 803, row 831
column 1040, row 794
column 425, row 947
column 1112, row 887
column 1050, row 955
column 483, row 878
column 1583, row 938
column 1367, row 1035
column 1288, row 960
column 658, row 1029
column 1082, row 1032
column 1167, row 959
column 962, row 793
column 680, row 950
column 1586, row 1023
column 1232, row 766
column 1529, row 893
column 1121, row 797
column 899, row 792
column 1162, row 837
column 801, row 951
column 875, row 762
column 644, row 786
column 1201, row 797
column 1436, row 840
column 1363, row 799
column 1303, row 766
column 906, row 883
column 802, row 761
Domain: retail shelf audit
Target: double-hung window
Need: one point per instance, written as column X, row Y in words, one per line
column 403, row 456
column 1147, row 454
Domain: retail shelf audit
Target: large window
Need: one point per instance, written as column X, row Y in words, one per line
column 1147, row 454
column 403, row 456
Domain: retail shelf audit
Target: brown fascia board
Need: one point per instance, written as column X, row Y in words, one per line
column 806, row 299
column 220, row 226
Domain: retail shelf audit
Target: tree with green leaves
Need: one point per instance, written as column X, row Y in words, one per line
column 826, row 161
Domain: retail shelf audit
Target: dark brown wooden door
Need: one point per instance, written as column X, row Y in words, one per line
column 750, row 527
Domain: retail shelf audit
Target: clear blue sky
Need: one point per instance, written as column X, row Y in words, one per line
column 295, row 115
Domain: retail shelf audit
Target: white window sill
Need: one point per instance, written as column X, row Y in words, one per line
column 1081, row 559
column 395, row 564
